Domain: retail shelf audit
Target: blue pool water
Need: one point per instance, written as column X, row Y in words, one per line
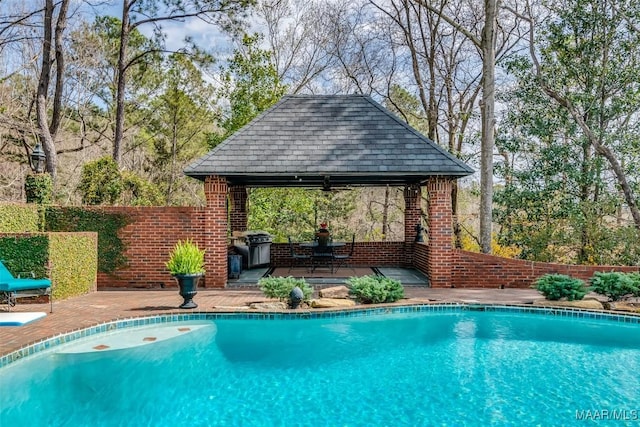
column 461, row 368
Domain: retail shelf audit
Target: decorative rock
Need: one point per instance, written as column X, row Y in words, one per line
column 269, row 305
column 590, row 303
column 332, row 303
column 623, row 306
column 334, row 292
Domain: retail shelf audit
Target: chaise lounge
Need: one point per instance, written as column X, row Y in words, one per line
column 12, row 288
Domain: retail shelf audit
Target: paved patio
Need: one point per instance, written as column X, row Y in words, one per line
column 99, row 307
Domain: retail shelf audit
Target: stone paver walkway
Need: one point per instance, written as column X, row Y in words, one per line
column 99, row 307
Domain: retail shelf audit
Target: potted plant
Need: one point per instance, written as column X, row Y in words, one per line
column 186, row 264
column 322, row 235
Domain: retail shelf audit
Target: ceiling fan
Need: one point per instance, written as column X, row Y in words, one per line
column 326, row 185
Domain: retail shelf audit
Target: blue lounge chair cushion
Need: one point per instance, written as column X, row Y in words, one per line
column 24, row 284
column 8, row 283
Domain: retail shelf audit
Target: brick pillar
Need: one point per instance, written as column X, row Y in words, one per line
column 440, row 226
column 238, row 214
column 412, row 197
column 215, row 232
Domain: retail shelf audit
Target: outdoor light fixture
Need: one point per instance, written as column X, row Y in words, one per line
column 38, row 159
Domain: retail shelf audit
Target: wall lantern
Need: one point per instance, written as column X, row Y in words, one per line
column 38, row 159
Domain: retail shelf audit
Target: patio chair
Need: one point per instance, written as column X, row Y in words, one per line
column 296, row 258
column 342, row 260
column 322, row 254
column 12, row 288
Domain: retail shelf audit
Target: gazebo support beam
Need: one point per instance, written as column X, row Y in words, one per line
column 238, row 208
column 215, row 232
column 412, row 214
column 440, row 223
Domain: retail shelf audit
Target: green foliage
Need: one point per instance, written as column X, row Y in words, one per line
column 281, row 287
column 375, row 289
column 562, row 200
column 558, row 286
column 19, row 218
column 407, row 107
column 74, row 263
column 615, row 285
column 101, row 182
column 186, row 258
column 39, row 188
column 181, row 119
column 137, row 191
column 25, row 254
column 107, row 225
column 297, row 212
column 251, row 84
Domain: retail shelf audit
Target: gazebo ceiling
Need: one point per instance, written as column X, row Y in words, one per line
column 326, row 142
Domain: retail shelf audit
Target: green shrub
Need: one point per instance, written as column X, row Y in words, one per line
column 19, row 218
column 101, row 182
column 635, row 278
column 74, row 263
column 615, row 285
column 137, row 191
column 375, row 289
column 25, row 253
column 281, row 287
column 186, row 258
column 557, row 286
column 39, row 188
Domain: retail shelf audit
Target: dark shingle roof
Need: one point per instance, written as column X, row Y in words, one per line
column 311, row 140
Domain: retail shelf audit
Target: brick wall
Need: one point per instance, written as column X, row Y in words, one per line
column 412, row 213
column 149, row 238
column 153, row 232
column 421, row 257
column 238, row 207
column 472, row 269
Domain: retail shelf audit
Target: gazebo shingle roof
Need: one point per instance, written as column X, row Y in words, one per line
column 332, row 140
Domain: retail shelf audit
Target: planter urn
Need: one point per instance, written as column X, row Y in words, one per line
column 188, row 284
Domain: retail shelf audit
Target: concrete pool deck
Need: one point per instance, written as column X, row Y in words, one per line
column 103, row 306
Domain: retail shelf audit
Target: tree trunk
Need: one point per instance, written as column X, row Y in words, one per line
column 41, row 97
column 121, row 84
column 488, row 47
column 59, row 52
column 385, row 214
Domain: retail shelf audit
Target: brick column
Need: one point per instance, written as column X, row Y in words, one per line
column 412, row 197
column 238, row 209
column 440, row 226
column 215, row 232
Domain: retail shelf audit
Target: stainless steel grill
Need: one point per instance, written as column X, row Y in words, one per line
column 259, row 248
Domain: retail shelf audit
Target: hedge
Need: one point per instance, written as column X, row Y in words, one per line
column 19, row 218
column 71, row 257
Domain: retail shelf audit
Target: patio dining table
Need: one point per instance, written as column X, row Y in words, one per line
column 312, row 245
column 325, row 256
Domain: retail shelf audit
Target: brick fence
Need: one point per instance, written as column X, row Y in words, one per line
column 149, row 237
column 153, row 231
column 472, row 269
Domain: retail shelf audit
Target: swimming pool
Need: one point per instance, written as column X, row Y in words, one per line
column 434, row 366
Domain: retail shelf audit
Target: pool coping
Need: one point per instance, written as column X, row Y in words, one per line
column 163, row 318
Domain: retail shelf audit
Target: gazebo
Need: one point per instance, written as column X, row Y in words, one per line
column 330, row 141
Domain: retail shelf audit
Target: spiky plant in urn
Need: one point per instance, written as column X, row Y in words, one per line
column 186, row 265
